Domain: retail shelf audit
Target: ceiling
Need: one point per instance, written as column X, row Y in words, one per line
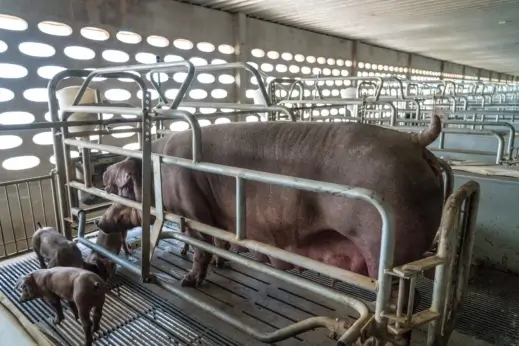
column 478, row 33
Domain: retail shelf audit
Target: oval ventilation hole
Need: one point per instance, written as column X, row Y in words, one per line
column 128, row 80
column 179, row 126
column 79, row 53
column 336, row 72
column 253, row 81
column 204, row 122
column 117, row 56
column 157, row 41
column 299, row 57
column 330, row 61
column 198, row 94
column 123, row 134
column 348, row 63
column 281, row 68
column 117, row 95
column 187, row 109
column 227, row 110
column 13, row 23
column 344, row 73
column 157, row 77
column 294, row 69
column 36, row 49
column 73, row 154
column 311, row 59
column 329, row 82
column 3, row 46
column 43, row 138
column 258, row 53
column 16, row 118
column 339, row 62
column 128, row 37
column 146, row 58
column 36, row 95
column 198, row 61
column 218, row 62
column 172, row 58
column 222, row 121
column 273, row 55
column 131, row 146
column 171, row 93
column 95, row 34
column 287, row 56
column 179, row 77
column 226, row 79
column 10, row 142
column 321, row 60
column 219, row 94
column 206, row 78
column 251, row 118
column 326, row 92
column 226, row 49
column 205, row 47
column 153, row 94
column 327, row 71
column 207, row 110
column 48, row 72
column 55, row 28
column 306, row 70
column 250, row 93
column 267, row 67
column 12, row 71
column 20, row 163
column 334, row 111
column 128, row 116
column 183, row 44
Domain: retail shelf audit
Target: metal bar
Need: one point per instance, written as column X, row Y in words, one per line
column 146, row 188
column 19, row 199
column 348, row 336
column 246, row 107
column 87, row 168
column 241, row 210
column 30, row 204
column 304, row 262
column 21, row 181
column 55, row 200
column 43, row 202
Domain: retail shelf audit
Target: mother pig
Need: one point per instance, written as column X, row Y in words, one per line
column 338, row 231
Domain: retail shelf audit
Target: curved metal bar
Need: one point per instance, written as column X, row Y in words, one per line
column 250, row 107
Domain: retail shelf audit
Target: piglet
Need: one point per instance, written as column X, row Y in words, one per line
column 112, row 242
column 83, row 290
column 52, row 247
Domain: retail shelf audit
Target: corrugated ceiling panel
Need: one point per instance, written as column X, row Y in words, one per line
column 463, row 31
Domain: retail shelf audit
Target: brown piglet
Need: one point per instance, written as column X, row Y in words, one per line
column 112, row 242
column 52, row 247
column 83, row 290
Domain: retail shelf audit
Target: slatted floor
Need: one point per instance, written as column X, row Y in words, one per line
column 139, row 315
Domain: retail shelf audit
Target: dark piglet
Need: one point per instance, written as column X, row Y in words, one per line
column 112, row 242
column 52, row 247
column 83, row 290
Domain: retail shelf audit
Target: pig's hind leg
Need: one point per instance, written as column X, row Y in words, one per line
column 98, row 313
column 86, row 323
column 73, row 308
column 41, row 260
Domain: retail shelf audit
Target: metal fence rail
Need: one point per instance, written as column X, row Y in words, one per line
column 25, row 202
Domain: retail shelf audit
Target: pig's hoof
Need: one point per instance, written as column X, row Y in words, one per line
column 191, row 280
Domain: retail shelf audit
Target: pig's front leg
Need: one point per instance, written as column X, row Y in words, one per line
column 73, row 308
column 56, row 305
column 198, row 272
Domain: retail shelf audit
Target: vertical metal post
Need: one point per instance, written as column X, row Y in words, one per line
column 240, row 209
column 63, row 211
column 146, row 186
column 159, row 204
column 54, row 199
column 87, row 167
column 241, row 55
column 442, row 69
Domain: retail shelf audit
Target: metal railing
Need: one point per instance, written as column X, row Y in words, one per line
column 26, row 202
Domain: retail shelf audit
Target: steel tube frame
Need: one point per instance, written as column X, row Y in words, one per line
column 348, row 336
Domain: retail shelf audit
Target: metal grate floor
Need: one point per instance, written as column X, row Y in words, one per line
column 132, row 315
column 146, row 315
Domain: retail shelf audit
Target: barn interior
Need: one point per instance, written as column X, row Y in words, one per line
column 86, row 83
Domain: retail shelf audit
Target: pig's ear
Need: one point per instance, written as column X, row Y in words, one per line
column 124, row 178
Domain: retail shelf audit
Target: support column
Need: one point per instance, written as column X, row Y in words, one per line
column 409, row 66
column 442, row 68
column 242, row 52
column 354, row 51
